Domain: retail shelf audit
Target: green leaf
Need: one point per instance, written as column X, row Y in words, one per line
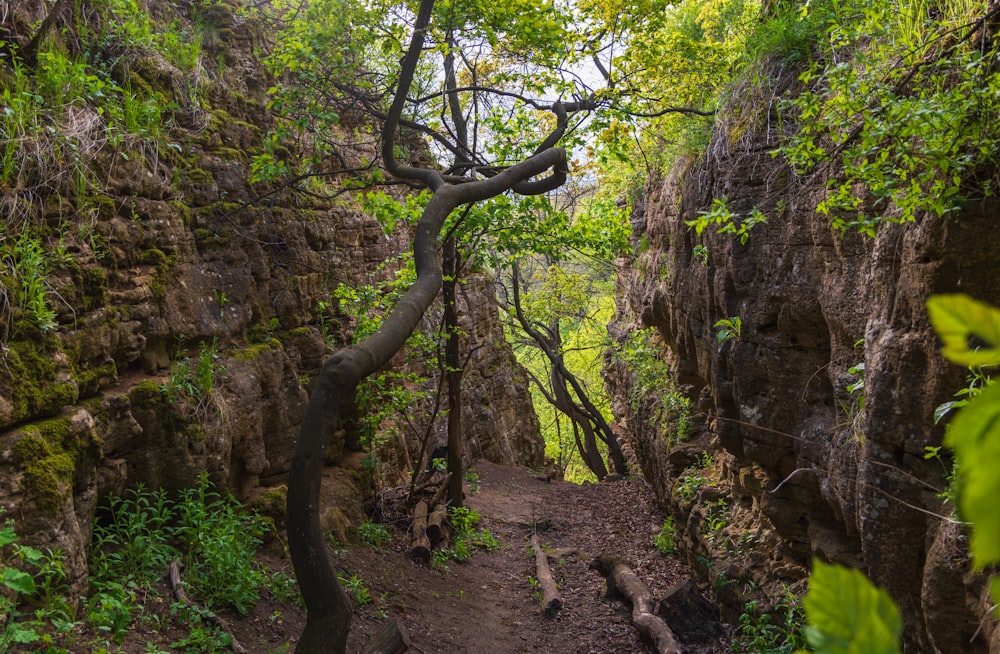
column 18, row 581
column 7, row 536
column 848, row 614
column 974, row 436
column 21, row 634
column 957, row 318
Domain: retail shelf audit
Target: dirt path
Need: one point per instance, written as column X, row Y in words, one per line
column 487, row 605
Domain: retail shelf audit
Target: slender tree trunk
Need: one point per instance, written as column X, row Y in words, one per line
column 453, row 366
column 584, row 413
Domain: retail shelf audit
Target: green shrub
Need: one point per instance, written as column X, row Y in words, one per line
column 664, row 541
column 32, row 593
column 373, row 534
column 143, row 531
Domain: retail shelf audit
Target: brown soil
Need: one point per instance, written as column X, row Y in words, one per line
column 486, row 604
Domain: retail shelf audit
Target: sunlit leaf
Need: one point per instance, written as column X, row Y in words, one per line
column 958, row 319
column 974, row 436
column 848, row 614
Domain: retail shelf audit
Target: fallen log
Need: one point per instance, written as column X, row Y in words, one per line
column 180, row 595
column 551, row 602
column 391, row 640
column 437, row 524
column 420, row 544
column 622, row 580
column 439, row 495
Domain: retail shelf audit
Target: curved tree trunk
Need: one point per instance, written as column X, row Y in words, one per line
column 328, row 609
column 585, row 415
column 582, row 421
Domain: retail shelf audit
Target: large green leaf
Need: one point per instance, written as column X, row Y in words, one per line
column 974, row 436
column 957, row 319
column 848, row 614
column 18, row 581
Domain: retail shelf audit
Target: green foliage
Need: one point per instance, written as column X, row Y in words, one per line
column 110, row 606
column 727, row 222
column 32, row 593
column 584, row 341
column 203, row 637
column 778, row 631
column 689, row 484
column 30, row 264
column 219, row 543
column 716, row 519
column 974, row 433
column 130, row 544
column 664, row 541
column 903, row 111
column 373, row 534
column 143, row 531
column 357, row 589
column 193, row 378
column 652, row 385
column 467, row 537
column 728, row 329
column 848, row 615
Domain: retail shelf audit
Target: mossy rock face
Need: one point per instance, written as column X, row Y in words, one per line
column 91, row 380
column 255, row 351
column 206, row 239
column 147, row 394
column 39, row 383
column 50, row 452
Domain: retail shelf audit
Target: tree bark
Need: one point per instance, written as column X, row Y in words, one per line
column 621, row 579
column 437, row 524
column 391, row 640
column 453, row 367
column 328, row 609
column 420, row 544
column 551, row 602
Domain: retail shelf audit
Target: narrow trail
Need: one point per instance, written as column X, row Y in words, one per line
column 488, row 605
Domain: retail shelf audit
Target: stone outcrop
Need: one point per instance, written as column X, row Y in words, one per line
column 807, row 463
column 189, row 321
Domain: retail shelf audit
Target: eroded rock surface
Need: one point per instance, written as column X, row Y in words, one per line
column 181, row 274
column 805, row 466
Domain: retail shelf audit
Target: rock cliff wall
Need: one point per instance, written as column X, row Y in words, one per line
column 803, row 465
column 188, row 321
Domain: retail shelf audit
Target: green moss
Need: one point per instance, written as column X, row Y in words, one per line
column 159, row 258
column 183, row 211
column 90, row 380
column 158, row 289
column 195, row 432
column 229, row 154
column 31, row 387
column 199, row 176
column 254, row 352
column 147, row 393
column 31, row 447
column 47, row 463
column 207, row 239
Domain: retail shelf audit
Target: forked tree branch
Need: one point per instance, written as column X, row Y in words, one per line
column 328, row 609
